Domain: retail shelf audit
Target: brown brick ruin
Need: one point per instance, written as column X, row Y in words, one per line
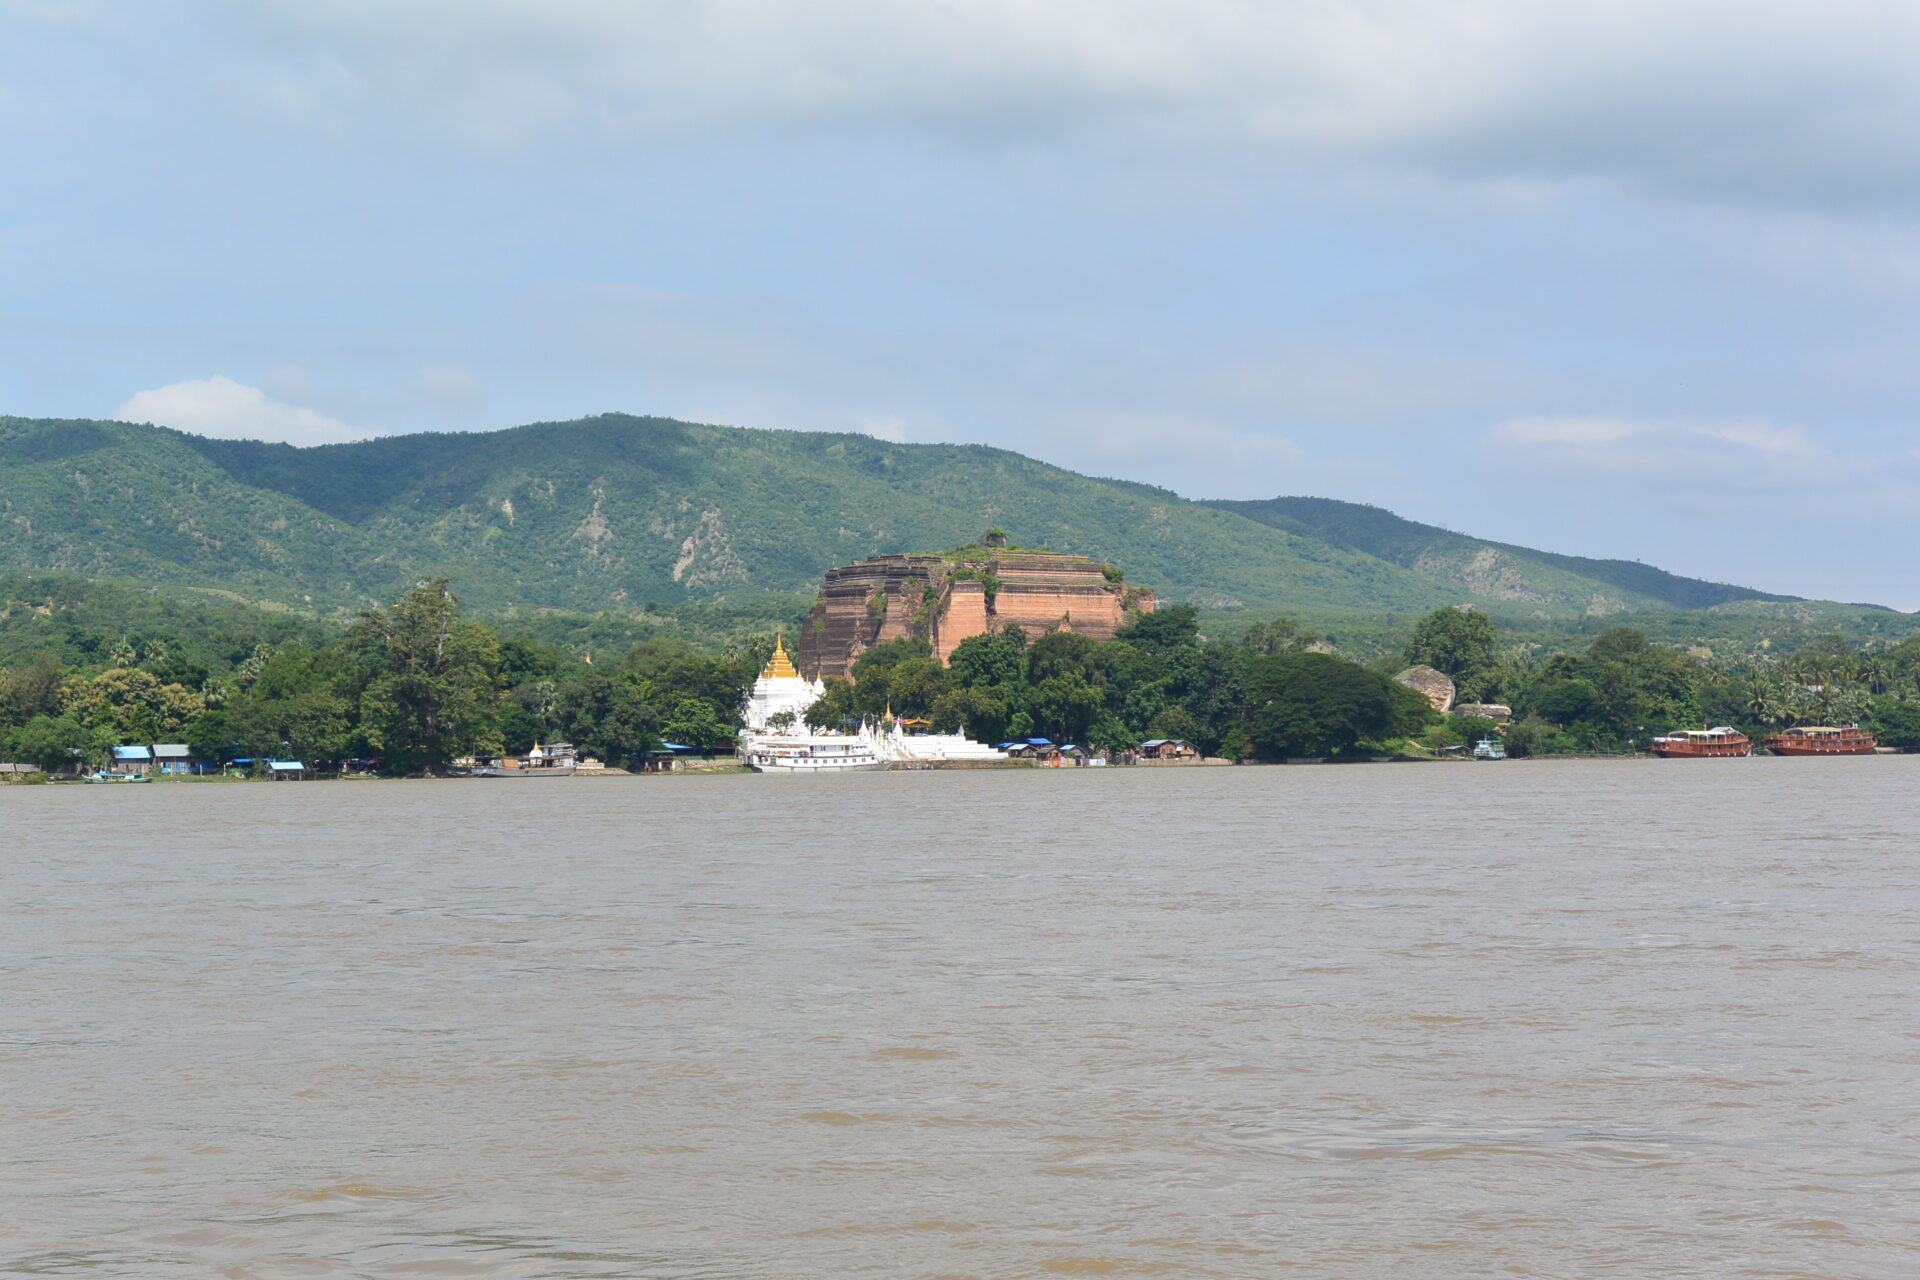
column 948, row 598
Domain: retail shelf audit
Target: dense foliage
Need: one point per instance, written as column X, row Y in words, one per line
column 416, row 683
column 1262, row 696
column 410, row 686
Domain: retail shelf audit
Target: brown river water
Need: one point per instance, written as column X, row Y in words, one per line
column 1568, row 1019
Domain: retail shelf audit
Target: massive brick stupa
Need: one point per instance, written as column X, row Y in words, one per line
column 947, row 598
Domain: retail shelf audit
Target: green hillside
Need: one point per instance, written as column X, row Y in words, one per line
column 1522, row 578
column 650, row 515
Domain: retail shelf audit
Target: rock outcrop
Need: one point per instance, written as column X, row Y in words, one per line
column 1430, row 684
column 947, row 598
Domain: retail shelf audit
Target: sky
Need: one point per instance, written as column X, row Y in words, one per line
column 1618, row 278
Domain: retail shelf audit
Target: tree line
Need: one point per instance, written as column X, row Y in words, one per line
column 411, row 687
column 416, row 684
column 1622, row 689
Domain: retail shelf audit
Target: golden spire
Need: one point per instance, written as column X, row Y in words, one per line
column 779, row 666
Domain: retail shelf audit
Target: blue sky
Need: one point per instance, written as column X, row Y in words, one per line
column 1622, row 278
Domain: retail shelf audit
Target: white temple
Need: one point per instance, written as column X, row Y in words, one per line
column 780, row 688
column 891, row 742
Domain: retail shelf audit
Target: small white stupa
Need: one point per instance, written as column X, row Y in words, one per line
column 780, row 687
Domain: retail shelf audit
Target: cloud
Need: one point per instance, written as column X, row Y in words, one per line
column 1731, row 455
column 229, row 410
column 1566, row 433
column 1717, row 99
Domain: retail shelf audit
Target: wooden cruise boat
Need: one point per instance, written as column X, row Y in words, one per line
column 1822, row 740
column 1689, row 744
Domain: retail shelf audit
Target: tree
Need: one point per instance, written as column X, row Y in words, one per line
column 433, row 687
column 608, row 715
column 977, row 712
column 1278, row 636
column 1177, row 626
column 59, row 742
column 834, row 709
column 29, row 690
column 673, row 669
column 297, row 707
column 210, row 737
column 1459, row 642
column 911, row 688
column 131, row 704
column 1895, row 721
column 1065, row 706
column 1064, row 653
column 1561, row 701
column 1174, row 722
column 991, row 660
column 1314, row 704
column 695, row 723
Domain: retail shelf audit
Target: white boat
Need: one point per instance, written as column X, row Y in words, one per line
column 824, row 753
column 555, row 760
column 1489, row 749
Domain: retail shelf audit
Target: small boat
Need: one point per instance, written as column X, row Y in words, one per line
column 1822, row 740
column 1489, row 749
column 99, row 775
column 823, row 754
column 555, row 760
column 1688, row 744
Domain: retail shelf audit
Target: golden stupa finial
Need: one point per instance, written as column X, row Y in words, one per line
column 779, row 666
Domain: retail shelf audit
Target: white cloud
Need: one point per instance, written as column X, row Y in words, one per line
column 229, row 410
column 1576, row 432
column 1732, row 455
column 1779, row 103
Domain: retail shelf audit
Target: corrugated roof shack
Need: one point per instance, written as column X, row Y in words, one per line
column 1168, row 749
column 176, row 759
column 287, row 771
column 133, row 759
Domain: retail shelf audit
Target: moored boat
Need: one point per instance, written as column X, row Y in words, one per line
column 1489, row 749
column 1700, row 743
column 825, row 753
column 102, row 776
column 1822, row 740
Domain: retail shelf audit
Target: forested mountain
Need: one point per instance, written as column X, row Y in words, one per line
column 1491, row 570
column 619, row 513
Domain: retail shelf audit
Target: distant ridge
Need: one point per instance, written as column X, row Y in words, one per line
column 616, row 512
column 1495, row 569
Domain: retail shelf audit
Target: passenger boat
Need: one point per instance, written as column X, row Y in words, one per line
column 555, row 760
column 1489, row 749
column 1693, row 743
column 1822, row 740
column 823, row 754
column 100, row 776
